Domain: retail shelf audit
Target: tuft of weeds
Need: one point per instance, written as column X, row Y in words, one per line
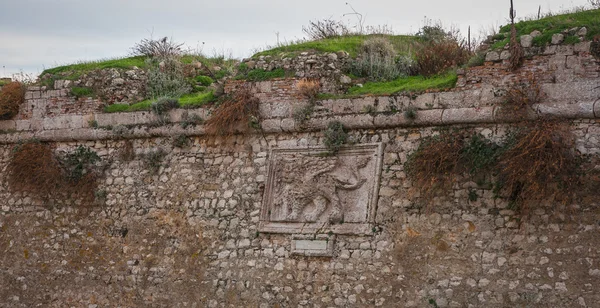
column 93, row 123
column 476, row 60
column 188, row 120
column 162, row 106
column 34, row 168
column 301, row 115
column 79, row 92
column 153, row 160
column 181, row 141
column 12, row 96
column 335, row 136
column 204, row 80
column 309, row 88
column 236, row 113
column 541, row 164
column 78, row 162
column 434, row 166
column 410, row 114
column 480, row 155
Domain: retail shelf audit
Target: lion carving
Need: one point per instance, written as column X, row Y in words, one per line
column 316, row 182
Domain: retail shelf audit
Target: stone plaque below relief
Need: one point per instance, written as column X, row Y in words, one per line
column 309, row 191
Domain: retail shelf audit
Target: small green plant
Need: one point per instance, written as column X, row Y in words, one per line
column 480, row 154
column 301, row 115
column 79, row 162
column 370, row 109
column 204, row 80
column 262, row 75
column 335, row 136
column 162, row 106
column 181, row 141
column 153, row 160
column 100, row 195
column 188, row 120
column 571, row 40
column 473, row 195
column 82, row 92
column 476, row 60
column 93, row 123
column 120, row 130
column 410, row 113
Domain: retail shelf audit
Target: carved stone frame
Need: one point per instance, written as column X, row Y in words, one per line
column 365, row 228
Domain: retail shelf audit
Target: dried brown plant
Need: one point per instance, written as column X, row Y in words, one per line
column 237, row 113
column 540, row 164
column 12, row 96
column 308, row 88
column 434, row 166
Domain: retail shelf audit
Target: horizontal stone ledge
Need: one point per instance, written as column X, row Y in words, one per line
column 432, row 117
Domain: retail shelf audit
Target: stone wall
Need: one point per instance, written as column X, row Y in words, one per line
column 191, row 236
column 328, row 67
column 264, row 219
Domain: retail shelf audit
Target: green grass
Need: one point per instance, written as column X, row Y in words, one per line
column 196, row 99
column 83, row 67
column 187, row 101
column 556, row 24
column 141, row 106
column 350, row 44
column 407, row 84
column 4, row 82
column 262, row 75
column 82, row 92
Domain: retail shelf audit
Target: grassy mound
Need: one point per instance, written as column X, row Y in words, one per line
column 350, row 44
column 555, row 24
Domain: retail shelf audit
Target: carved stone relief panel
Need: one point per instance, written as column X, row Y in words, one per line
column 309, row 191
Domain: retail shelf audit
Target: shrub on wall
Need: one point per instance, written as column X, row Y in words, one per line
column 377, row 61
column 236, row 113
column 440, row 50
column 12, row 96
column 166, row 78
column 541, row 163
column 35, row 169
column 433, row 167
column 335, row 136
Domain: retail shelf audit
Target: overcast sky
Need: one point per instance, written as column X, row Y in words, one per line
column 38, row 34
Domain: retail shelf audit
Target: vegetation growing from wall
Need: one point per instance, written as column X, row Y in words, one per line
column 237, row 113
column 434, row 166
column 12, row 95
column 34, row 168
column 350, row 43
column 408, row 84
column 553, row 24
column 536, row 163
column 335, row 136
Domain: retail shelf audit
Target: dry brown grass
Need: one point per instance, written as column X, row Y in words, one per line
column 541, row 164
column 516, row 51
column 33, row 168
column 11, row 97
column 36, row 170
column 520, row 99
column 237, row 113
column 434, row 166
column 436, row 57
column 309, row 88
